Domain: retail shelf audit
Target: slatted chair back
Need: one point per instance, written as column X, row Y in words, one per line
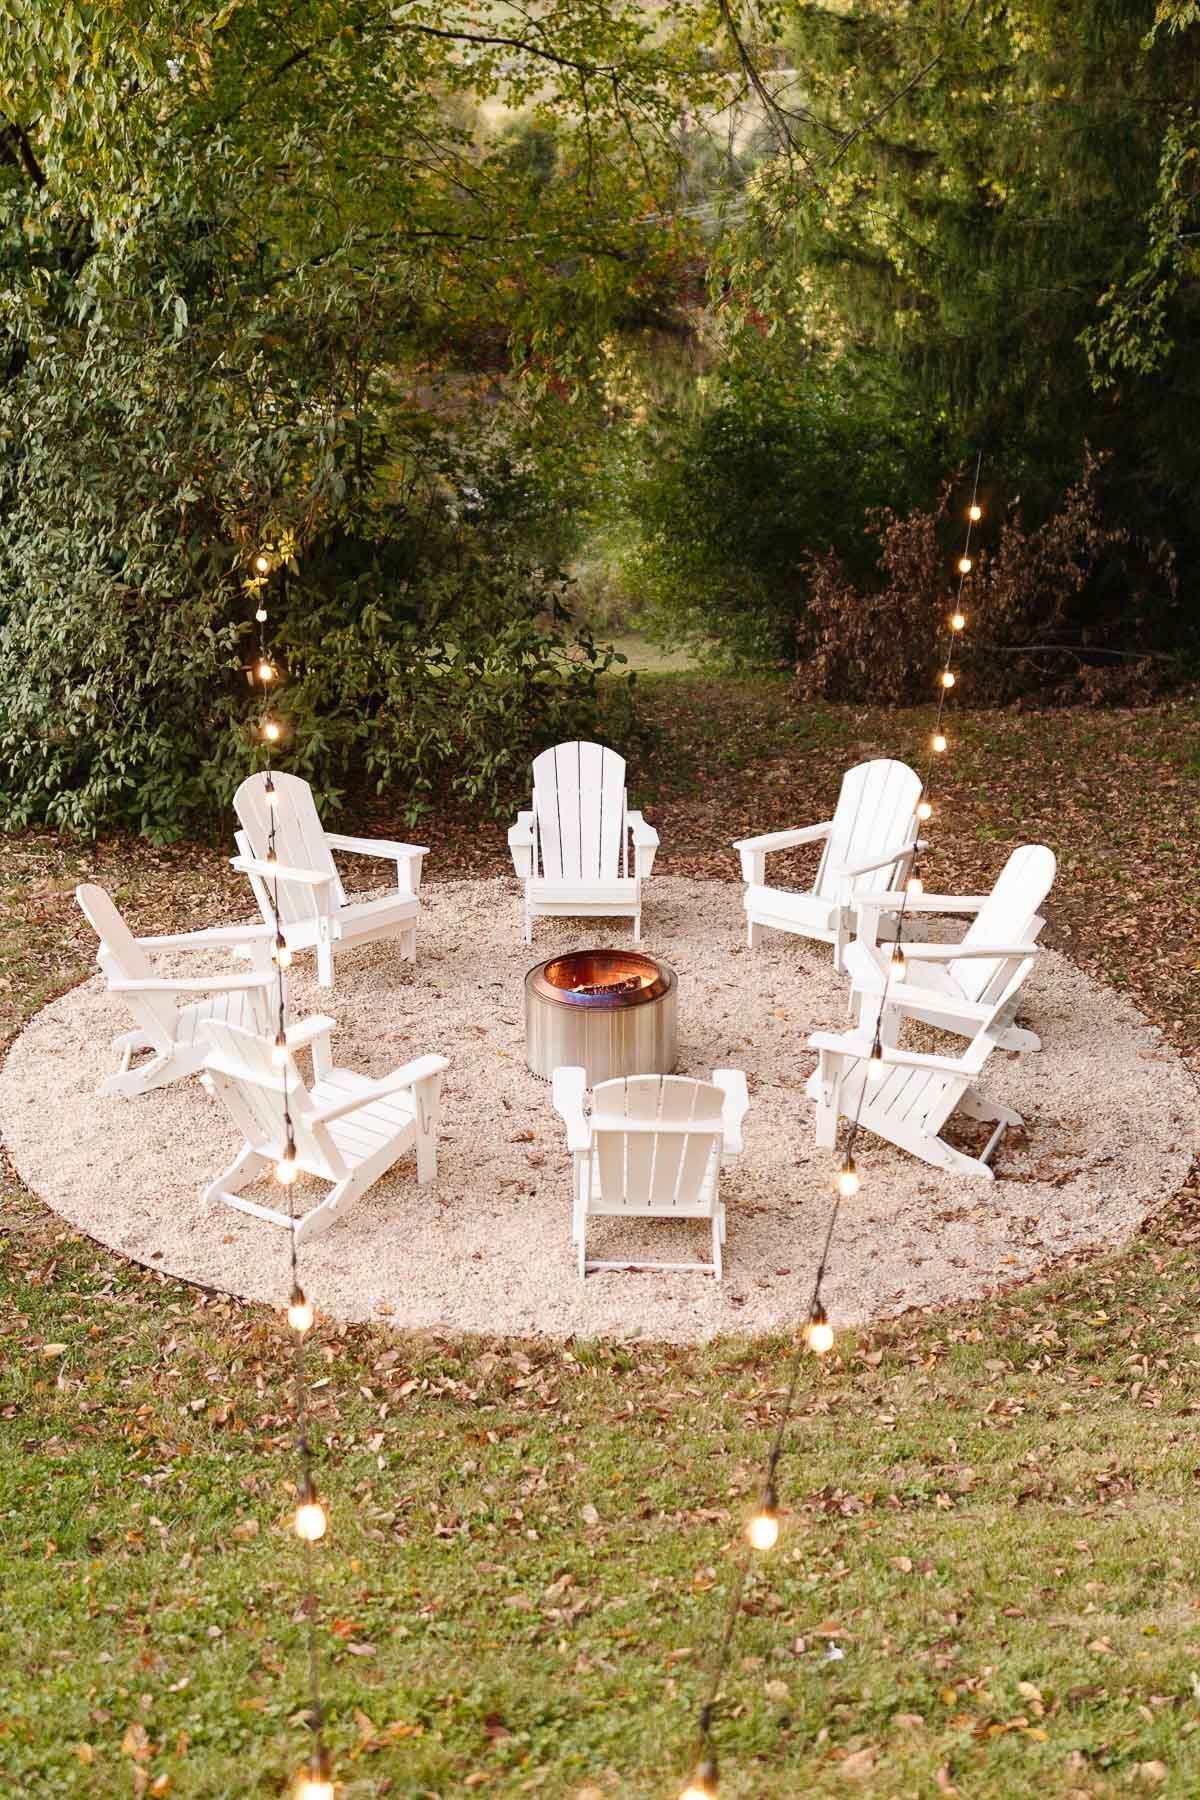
column 656, row 1139
column 252, row 1089
column 579, row 811
column 1009, row 915
column 300, row 843
column 876, row 810
column 122, row 956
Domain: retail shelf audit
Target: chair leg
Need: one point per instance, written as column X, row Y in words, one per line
column 716, row 1243
column 325, row 964
column 320, row 1217
column 637, row 927
column 244, row 1169
column 583, row 1247
column 528, row 926
column 129, row 1083
column 753, row 934
column 426, row 1096
column 408, row 945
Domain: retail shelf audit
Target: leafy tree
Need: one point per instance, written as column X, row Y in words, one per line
column 257, row 269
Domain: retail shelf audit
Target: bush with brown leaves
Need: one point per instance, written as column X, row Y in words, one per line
column 1077, row 609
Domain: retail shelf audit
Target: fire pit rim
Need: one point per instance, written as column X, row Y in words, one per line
column 664, row 979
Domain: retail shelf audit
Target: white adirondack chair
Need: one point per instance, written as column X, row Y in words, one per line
column 959, row 982
column 869, row 842
column 347, row 1129
column 913, row 1094
column 167, row 1030
column 313, row 907
column 572, row 848
column 652, row 1149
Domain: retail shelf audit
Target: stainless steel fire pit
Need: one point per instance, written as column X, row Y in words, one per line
column 611, row 1012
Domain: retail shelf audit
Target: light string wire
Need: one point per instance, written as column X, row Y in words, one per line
column 314, row 1781
column 762, row 1529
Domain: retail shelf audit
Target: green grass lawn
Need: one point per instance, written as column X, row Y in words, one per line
column 987, row 1579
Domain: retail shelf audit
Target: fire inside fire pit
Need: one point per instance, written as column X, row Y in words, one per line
column 611, row 1012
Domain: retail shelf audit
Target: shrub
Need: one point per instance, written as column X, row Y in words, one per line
column 1076, row 609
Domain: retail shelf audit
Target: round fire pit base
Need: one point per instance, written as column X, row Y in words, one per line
column 609, row 1012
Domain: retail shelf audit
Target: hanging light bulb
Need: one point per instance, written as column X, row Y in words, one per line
column 265, row 671
column 279, row 1051
column 938, row 742
column 261, row 615
column 316, row 1781
column 272, row 854
column 914, row 886
column 312, row 1787
column 974, row 513
column 957, row 621
column 763, row 1528
column 262, row 563
column 819, row 1331
column 899, row 964
column 876, row 1067
column 964, row 565
column 270, row 731
column 300, row 1313
column 311, row 1520
column 703, row 1784
column 924, row 810
column 281, row 956
column 948, row 678
column 285, row 1169
column 848, row 1183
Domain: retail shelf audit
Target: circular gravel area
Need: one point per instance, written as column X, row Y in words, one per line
column 1109, row 1109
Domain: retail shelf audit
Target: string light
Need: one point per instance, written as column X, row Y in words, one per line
column 703, row 1784
column 315, row 1783
column 315, row 1780
column 819, row 1331
column 763, row 1529
column 300, row 1313
column 848, row 1182
column 311, row 1521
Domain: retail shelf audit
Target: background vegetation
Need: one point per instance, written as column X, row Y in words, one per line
column 446, row 307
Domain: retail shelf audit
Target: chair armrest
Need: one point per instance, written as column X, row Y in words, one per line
column 732, row 1083
column 407, row 857
column 755, row 850
column 315, row 1031
column 859, row 1048
column 645, row 844
column 568, row 1087
column 407, row 1076
column 894, row 899
column 257, row 865
column 214, row 937
column 877, row 862
column 520, row 844
column 193, row 984
column 967, row 952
